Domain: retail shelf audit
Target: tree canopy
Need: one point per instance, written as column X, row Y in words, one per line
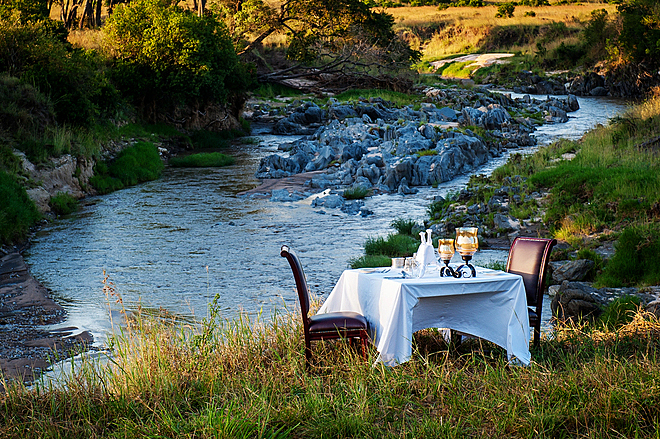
column 166, row 57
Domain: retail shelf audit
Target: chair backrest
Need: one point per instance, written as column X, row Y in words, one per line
column 299, row 276
column 529, row 257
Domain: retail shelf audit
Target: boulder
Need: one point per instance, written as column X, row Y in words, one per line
column 287, row 127
column 331, row 201
column 575, row 301
column 506, row 222
column 570, row 270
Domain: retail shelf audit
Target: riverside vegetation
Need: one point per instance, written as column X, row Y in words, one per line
column 243, row 378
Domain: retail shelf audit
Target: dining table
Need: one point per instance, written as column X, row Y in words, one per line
column 491, row 305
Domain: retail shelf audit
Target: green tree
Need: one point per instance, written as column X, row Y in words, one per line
column 597, row 32
column 28, row 10
column 639, row 38
column 167, row 57
column 505, row 10
column 312, row 26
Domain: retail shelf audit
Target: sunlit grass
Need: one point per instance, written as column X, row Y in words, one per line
column 246, row 377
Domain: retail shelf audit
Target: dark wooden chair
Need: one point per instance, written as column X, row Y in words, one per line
column 335, row 325
column 529, row 257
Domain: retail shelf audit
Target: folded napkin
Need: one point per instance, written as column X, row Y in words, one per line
column 426, row 253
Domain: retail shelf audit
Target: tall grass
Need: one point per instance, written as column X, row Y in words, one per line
column 135, row 164
column 17, row 211
column 202, row 160
column 247, row 378
column 459, row 30
column 397, row 98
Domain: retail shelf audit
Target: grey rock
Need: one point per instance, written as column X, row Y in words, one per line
column 575, row 301
column 284, row 195
column 287, row 127
column 506, row 222
column 448, row 114
column 570, row 270
column 331, row 201
column 573, row 103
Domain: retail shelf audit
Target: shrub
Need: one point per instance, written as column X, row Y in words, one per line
column 635, row 261
column 370, row 261
column 505, row 10
column 202, row 160
column 167, row 57
column 394, row 246
column 17, row 211
column 136, row 164
column 63, row 203
column 75, row 81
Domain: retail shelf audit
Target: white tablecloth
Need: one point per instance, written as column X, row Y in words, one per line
column 492, row 306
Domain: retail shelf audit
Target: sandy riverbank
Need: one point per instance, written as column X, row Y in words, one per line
column 27, row 312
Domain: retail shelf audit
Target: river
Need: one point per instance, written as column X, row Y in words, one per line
column 175, row 243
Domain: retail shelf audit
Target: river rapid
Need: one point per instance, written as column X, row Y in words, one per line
column 174, row 244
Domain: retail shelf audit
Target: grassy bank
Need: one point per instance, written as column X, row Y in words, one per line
column 245, row 378
column 601, row 190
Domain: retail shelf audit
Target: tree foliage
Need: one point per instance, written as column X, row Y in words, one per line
column 166, row 57
column 639, row 37
column 311, row 26
column 28, row 10
column 37, row 53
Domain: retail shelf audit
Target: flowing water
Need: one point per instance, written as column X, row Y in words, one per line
column 174, row 244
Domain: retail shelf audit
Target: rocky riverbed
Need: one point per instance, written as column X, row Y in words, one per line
column 373, row 145
column 26, row 310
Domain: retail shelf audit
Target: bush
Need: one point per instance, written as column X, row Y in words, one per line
column 63, row 204
column 167, row 57
column 394, row 246
column 17, row 211
column 505, row 10
column 370, row 261
column 202, row 160
column 133, row 165
column 635, row 261
column 75, row 81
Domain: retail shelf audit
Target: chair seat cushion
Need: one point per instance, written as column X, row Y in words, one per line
column 334, row 321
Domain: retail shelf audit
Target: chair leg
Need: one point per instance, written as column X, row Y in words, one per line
column 364, row 338
column 537, row 335
column 308, row 354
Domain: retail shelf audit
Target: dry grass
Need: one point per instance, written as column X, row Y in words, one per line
column 441, row 33
column 425, row 16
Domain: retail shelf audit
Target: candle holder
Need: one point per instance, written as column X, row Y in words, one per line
column 446, row 251
column 467, row 244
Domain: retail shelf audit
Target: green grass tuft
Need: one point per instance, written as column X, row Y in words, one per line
column 63, row 204
column 356, row 193
column 135, row 164
column 394, row 246
column 368, row 261
column 202, row 160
